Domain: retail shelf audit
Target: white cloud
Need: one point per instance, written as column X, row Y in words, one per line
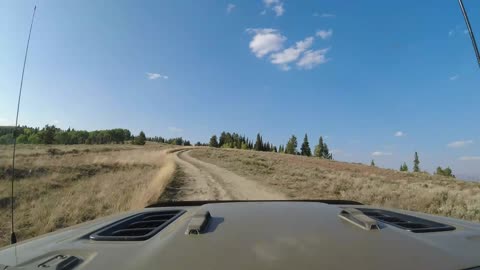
column 291, row 54
column 230, row 7
column 312, row 58
column 154, row 76
column 56, row 122
column 324, row 15
column 457, row 30
column 279, row 10
column 275, row 5
column 325, row 34
column 454, row 77
column 458, row 144
column 263, row 12
column 379, row 153
column 175, row 129
column 469, row 158
column 265, row 41
column 399, row 134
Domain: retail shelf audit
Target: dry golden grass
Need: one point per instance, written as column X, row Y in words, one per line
column 311, row 178
column 78, row 183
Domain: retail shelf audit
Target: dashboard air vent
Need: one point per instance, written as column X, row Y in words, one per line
column 137, row 227
column 406, row 222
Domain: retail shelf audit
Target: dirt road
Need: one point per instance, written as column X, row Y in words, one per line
column 198, row 180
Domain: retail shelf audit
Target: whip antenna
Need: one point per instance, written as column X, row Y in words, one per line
column 470, row 31
column 13, row 238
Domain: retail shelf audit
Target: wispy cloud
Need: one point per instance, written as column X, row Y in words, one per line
column 154, row 76
column 458, row 144
column 325, row 34
column 312, row 58
column 324, row 15
column 454, row 77
column 379, row 154
column 457, row 30
column 56, row 122
column 175, row 130
column 399, row 134
column 230, row 7
column 275, row 5
column 265, row 41
column 291, row 54
column 469, row 158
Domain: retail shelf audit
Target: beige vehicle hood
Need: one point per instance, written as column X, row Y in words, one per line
column 261, row 235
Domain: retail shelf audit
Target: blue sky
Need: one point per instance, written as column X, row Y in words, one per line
column 358, row 72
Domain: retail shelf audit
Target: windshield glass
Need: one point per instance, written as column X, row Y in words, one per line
column 125, row 104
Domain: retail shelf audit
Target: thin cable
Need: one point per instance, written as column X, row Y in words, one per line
column 470, row 31
column 13, row 238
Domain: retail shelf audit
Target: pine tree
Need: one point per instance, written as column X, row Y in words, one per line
column 404, row 167
column 258, row 143
column 319, row 148
column 372, row 163
column 416, row 163
column 213, row 141
column 291, row 147
column 305, row 148
column 140, row 140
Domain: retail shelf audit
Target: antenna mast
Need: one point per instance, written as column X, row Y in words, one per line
column 470, row 31
column 13, row 238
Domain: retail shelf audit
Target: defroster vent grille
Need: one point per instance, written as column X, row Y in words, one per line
column 406, row 222
column 137, row 227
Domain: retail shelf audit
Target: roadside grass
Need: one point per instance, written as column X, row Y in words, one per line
column 311, row 178
column 58, row 186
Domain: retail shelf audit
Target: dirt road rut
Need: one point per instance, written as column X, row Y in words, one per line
column 198, row 180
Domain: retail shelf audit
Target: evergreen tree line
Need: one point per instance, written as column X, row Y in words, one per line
column 53, row 135
column 174, row 141
column 234, row 140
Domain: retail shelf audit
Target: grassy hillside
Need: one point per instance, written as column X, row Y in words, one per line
column 312, row 178
column 59, row 186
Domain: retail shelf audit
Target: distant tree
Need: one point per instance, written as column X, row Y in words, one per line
column 258, row 143
column 198, row 144
column 445, row 172
column 372, row 163
column 47, row 134
column 281, row 149
column 22, row 139
column 291, row 147
column 213, row 141
column 140, row 139
column 305, row 148
column 274, row 149
column 404, row 167
column 34, row 139
column 416, row 163
column 319, row 148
